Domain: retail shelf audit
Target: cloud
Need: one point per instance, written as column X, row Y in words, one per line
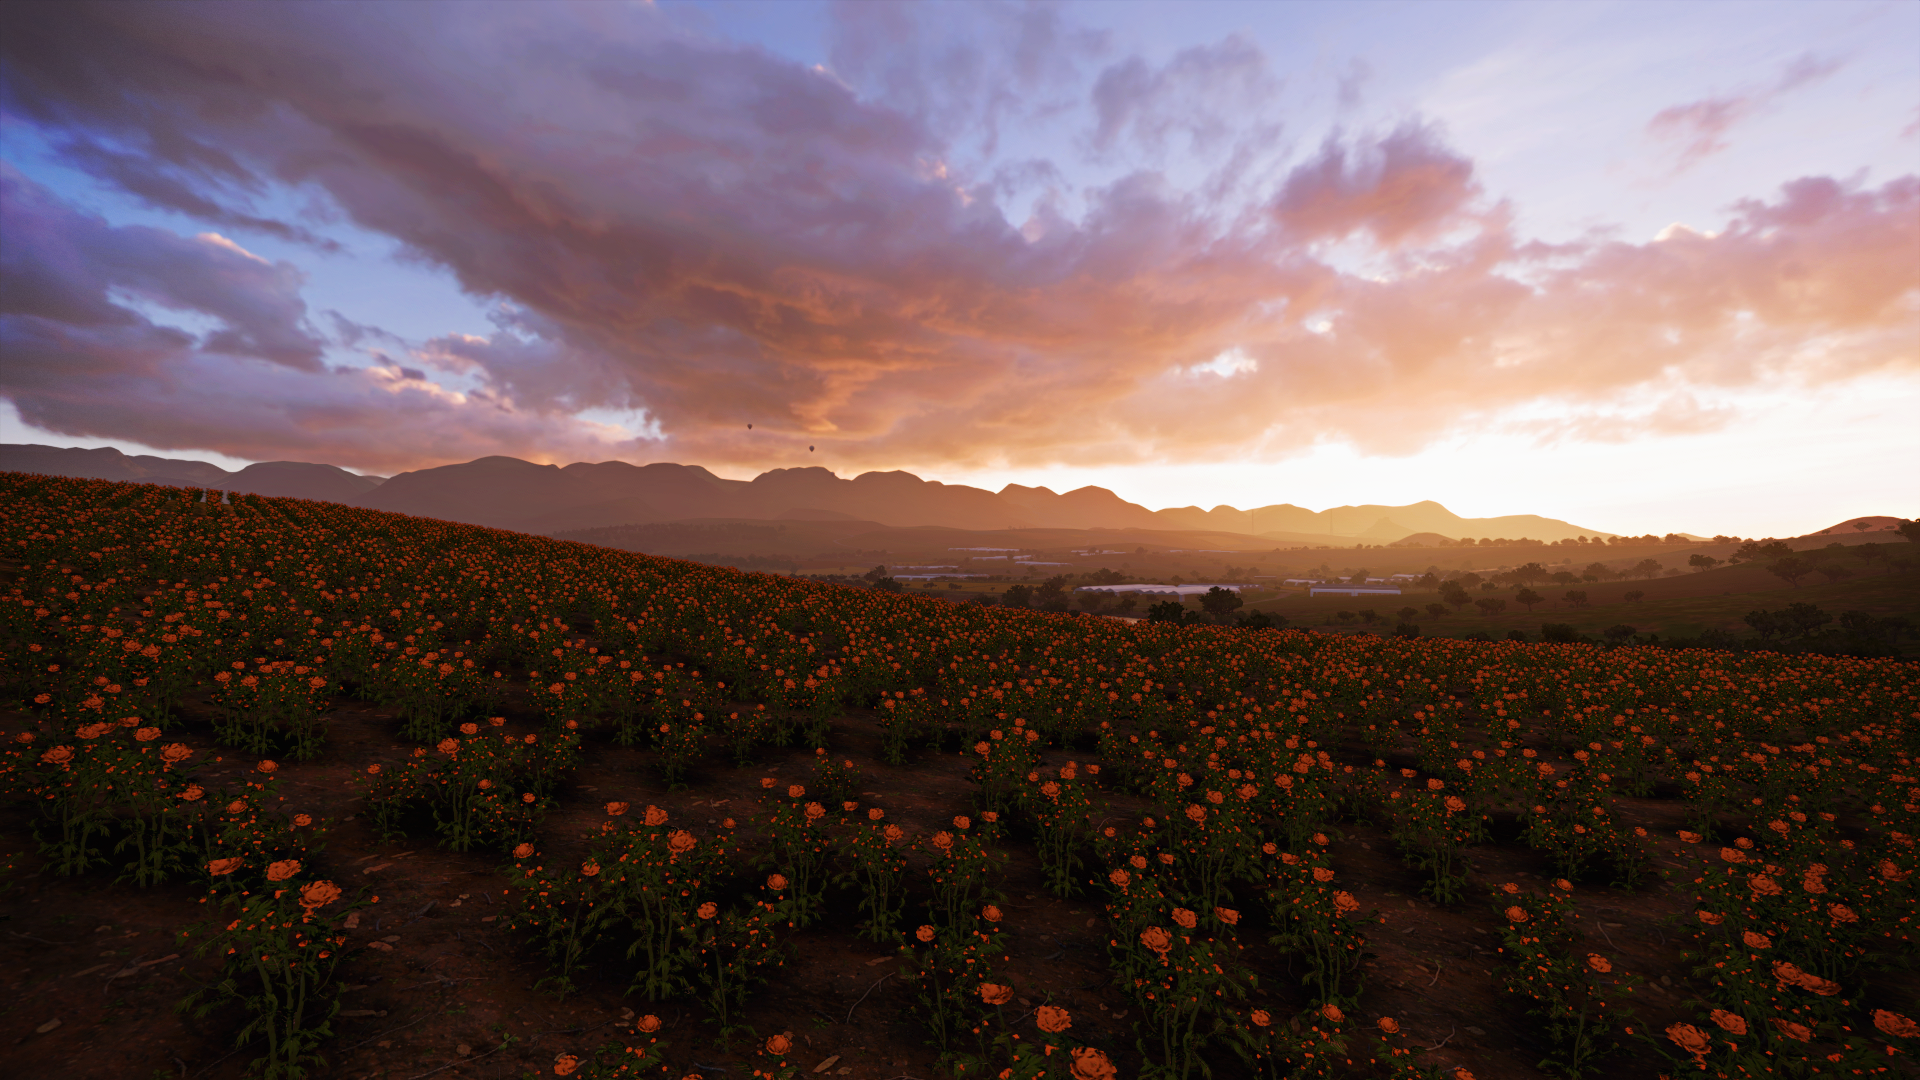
column 709, row 236
column 1700, row 128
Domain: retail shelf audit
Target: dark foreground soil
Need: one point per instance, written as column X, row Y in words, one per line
column 90, row 972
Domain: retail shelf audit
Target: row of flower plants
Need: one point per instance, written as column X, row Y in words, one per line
column 133, row 608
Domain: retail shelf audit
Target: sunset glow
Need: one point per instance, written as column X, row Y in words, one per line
column 1653, row 267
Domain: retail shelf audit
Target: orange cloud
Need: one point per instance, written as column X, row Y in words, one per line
column 713, row 236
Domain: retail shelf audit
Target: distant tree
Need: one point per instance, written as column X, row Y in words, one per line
column 1516, row 635
column 1559, row 633
column 875, row 574
column 1261, row 620
column 1702, row 562
column 1530, row 573
column 1220, row 603
column 1618, row 634
column 1834, row 572
column 1019, row 595
column 1791, row 569
column 1909, row 529
column 1598, row 572
column 1127, row 604
column 1802, row 619
column 887, row 584
column 1529, row 598
column 1167, row 611
column 1754, row 550
column 1872, row 553
column 1565, row 577
column 1635, row 596
column 1863, row 525
column 1428, row 580
column 1104, row 576
column 1052, row 593
column 1407, row 630
column 1453, row 594
column 1436, row 610
column 1577, row 597
column 1344, row 616
column 1359, row 577
column 1467, row 580
column 1092, row 602
column 1369, row 616
column 1764, row 623
column 1646, row 568
column 1490, row 605
column 1408, row 614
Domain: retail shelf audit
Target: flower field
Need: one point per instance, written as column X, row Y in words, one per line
column 668, row 819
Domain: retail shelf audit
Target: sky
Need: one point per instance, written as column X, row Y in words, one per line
column 1646, row 267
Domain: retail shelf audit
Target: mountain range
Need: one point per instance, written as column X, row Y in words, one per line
column 508, row 493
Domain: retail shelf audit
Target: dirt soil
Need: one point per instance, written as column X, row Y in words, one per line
column 92, row 970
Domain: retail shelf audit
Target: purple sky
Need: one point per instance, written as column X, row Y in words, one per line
column 1648, row 266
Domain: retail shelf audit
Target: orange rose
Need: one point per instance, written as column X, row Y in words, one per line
column 523, row 851
column 1599, row 963
column 447, row 746
column 1052, row 1020
column 1690, row 1039
column 942, row 840
column 219, row 867
column 469, row 728
column 680, row 841
column 990, row 913
column 708, row 910
column 776, row 882
column 648, row 1023
column 615, row 809
column 1791, row 1030
column 283, row 870
column 1260, row 1017
column 1332, row 1012
column 1517, row 914
column 1120, row 878
column 1389, row 1025
column 1139, row 862
column 1153, row 937
column 1842, row 913
column 875, row 814
column 780, row 1044
column 1756, row 941
column 318, row 894
column 794, row 791
column 590, row 868
column 925, row 933
column 1091, row 1064
column 1710, row 918
column 1344, row 903
column 146, row 734
column 1729, row 1021
column 995, row 994
column 565, row 1064
column 1322, row 874
column 656, row 817
column 1895, row 1025
column 1227, row 915
column 1185, row 918
column 893, row 834
column 193, row 793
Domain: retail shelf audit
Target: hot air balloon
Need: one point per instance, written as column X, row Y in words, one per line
column 809, row 449
column 749, row 427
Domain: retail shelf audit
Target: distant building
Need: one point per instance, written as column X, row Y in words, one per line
column 1180, row 592
column 1354, row 590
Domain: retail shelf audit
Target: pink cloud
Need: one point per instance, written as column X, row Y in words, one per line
column 1700, row 128
column 717, row 237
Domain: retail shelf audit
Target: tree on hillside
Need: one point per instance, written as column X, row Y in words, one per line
column 1646, row 568
column 1909, row 529
column 1530, row 573
column 875, row 574
column 1834, row 572
column 1529, row 598
column 1863, row 525
column 1104, row 576
column 1634, row 596
column 1702, row 562
column 1754, row 549
column 1467, row 580
column 1220, row 603
column 1791, row 569
column 1565, row 577
column 1092, row 602
column 1872, row 553
column 1018, row 595
column 1369, row 616
column 1436, row 610
column 1577, row 597
column 1455, row 595
column 1598, row 572
column 1408, row 614
column 1359, row 577
column 1490, row 605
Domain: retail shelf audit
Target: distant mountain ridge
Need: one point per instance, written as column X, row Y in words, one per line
column 508, row 493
